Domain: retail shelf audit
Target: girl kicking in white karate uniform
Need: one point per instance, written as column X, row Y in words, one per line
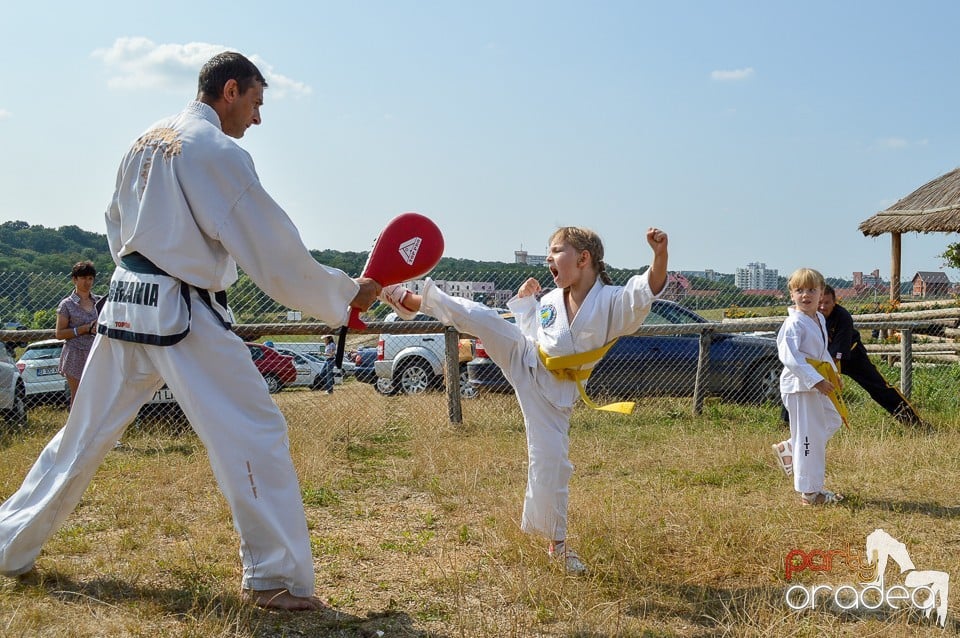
column 581, row 315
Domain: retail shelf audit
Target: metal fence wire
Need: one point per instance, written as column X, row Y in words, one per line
column 695, row 345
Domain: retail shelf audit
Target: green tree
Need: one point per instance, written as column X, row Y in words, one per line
column 952, row 255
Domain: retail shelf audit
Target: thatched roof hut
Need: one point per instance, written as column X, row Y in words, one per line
column 932, row 208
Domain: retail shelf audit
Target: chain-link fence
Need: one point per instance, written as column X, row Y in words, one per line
column 696, row 344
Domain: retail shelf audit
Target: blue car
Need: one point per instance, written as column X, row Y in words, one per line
column 743, row 368
column 363, row 360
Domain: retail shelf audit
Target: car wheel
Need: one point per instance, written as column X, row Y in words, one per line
column 16, row 417
column 467, row 389
column 762, row 384
column 273, row 384
column 415, row 377
column 385, row 386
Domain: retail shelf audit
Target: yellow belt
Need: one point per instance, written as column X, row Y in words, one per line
column 836, row 397
column 567, row 367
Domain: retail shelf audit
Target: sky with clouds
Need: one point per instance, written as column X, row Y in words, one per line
column 751, row 132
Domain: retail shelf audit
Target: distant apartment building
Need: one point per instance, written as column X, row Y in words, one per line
column 871, row 281
column 523, row 257
column 483, row 291
column 709, row 275
column 756, row 276
column 465, row 289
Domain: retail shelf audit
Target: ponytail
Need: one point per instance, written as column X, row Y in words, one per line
column 604, row 277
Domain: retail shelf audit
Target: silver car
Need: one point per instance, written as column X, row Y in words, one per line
column 40, row 369
column 13, row 404
column 312, row 370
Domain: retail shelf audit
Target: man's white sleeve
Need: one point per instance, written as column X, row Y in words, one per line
column 263, row 241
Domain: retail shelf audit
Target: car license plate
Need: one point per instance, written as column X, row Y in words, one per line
column 163, row 395
column 48, row 371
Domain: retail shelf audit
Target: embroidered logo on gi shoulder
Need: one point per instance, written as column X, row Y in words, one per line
column 166, row 141
column 409, row 249
column 548, row 314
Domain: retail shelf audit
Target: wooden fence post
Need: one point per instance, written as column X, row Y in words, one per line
column 452, row 374
column 703, row 371
column 906, row 361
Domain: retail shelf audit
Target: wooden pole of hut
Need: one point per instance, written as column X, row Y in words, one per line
column 895, row 267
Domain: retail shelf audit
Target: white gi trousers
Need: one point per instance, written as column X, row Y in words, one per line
column 226, row 400
column 813, row 420
column 547, row 426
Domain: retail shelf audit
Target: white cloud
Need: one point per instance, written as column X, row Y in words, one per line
column 279, row 85
column 5, row 114
column 139, row 63
column 897, row 143
column 893, row 143
column 735, row 75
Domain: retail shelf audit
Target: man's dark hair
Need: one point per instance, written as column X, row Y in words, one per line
column 83, row 269
column 828, row 290
column 227, row 66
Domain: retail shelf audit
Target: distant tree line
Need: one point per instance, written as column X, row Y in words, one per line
column 29, row 255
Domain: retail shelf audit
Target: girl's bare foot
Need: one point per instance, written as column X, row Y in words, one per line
column 281, row 599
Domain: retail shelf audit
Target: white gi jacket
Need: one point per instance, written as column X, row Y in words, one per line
column 607, row 312
column 177, row 218
column 801, row 337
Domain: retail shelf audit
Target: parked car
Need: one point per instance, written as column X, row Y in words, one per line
column 312, row 371
column 365, row 370
column 277, row 369
column 413, row 363
column 316, row 350
column 13, row 403
column 363, row 365
column 39, row 367
column 742, row 368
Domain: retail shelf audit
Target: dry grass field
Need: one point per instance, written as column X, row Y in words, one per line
column 685, row 521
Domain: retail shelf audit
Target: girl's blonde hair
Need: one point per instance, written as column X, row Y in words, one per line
column 584, row 239
column 806, row 278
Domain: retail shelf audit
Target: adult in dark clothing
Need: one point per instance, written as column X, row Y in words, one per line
column 852, row 360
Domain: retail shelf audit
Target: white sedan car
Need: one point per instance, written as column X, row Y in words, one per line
column 40, row 369
column 311, row 370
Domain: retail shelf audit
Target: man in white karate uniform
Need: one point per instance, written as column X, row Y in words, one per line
column 188, row 208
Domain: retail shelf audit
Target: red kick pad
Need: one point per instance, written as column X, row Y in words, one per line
column 407, row 248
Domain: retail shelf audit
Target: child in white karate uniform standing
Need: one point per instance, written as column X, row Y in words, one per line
column 805, row 392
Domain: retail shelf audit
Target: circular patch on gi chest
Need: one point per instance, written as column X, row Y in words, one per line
column 548, row 314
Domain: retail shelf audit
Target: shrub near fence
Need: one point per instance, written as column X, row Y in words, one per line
column 677, row 353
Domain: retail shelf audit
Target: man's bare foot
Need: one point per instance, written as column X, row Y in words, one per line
column 281, row 599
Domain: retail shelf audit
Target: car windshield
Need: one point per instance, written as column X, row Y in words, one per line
column 664, row 313
column 49, row 352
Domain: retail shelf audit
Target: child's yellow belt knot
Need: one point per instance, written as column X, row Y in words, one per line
column 568, row 368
